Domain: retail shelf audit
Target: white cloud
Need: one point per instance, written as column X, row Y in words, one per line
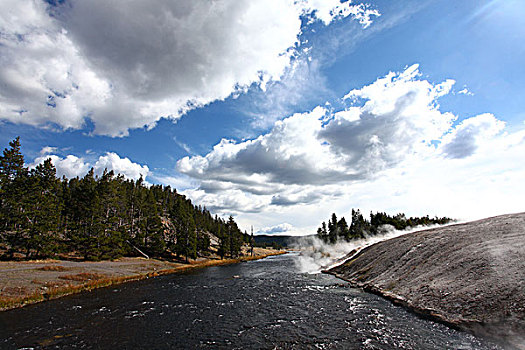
column 399, row 116
column 281, row 228
column 228, row 202
column 391, row 149
column 465, row 91
column 44, row 79
column 179, row 182
column 72, row 166
column 124, row 166
column 470, row 134
column 327, row 10
column 48, row 150
column 128, row 66
column 290, row 153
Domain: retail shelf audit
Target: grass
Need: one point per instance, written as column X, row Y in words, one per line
column 53, row 268
column 90, row 281
column 84, row 276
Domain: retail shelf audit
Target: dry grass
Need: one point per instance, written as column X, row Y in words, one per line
column 53, row 268
column 83, row 276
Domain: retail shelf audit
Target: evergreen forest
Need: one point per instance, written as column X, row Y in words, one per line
column 101, row 216
column 339, row 230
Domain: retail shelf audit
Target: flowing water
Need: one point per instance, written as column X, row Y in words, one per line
column 262, row 304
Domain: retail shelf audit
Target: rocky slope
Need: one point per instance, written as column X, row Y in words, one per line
column 470, row 275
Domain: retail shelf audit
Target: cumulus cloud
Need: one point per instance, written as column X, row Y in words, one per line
column 391, row 126
column 124, row 166
column 128, row 66
column 293, row 199
column 44, row 79
column 289, row 154
column 72, row 166
column 281, row 228
column 399, row 115
column 228, row 202
column 466, row 137
column 321, row 147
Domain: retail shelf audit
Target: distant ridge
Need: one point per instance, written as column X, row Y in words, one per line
column 268, row 240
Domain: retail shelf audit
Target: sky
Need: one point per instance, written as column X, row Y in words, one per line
column 278, row 112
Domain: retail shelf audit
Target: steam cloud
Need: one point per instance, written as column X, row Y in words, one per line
column 316, row 255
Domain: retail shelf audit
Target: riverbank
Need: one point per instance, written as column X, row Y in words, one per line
column 29, row 282
column 470, row 276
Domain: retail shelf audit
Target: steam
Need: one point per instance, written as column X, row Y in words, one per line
column 316, row 255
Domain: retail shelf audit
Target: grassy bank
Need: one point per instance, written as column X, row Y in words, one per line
column 24, row 283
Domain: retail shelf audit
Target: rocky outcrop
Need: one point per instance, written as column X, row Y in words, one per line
column 470, row 275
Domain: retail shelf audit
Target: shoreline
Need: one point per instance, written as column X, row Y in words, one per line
column 471, row 326
column 400, row 301
column 57, row 274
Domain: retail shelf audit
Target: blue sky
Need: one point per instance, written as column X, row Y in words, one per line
column 241, row 104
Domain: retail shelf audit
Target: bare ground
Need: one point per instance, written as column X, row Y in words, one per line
column 471, row 276
column 27, row 282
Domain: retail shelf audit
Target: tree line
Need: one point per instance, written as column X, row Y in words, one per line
column 101, row 217
column 360, row 227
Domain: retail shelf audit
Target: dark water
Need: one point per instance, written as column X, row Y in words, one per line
column 262, row 304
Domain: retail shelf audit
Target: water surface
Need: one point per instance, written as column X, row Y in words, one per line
column 262, row 304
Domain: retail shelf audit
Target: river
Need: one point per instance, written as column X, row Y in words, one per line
column 263, row 304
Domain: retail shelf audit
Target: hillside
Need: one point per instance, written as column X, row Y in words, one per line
column 470, row 275
column 272, row 240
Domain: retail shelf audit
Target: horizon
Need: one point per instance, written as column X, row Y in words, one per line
column 278, row 113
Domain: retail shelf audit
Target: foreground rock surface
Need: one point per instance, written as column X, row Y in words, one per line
column 468, row 275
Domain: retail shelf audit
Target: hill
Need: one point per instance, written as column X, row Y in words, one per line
column 272, row 240
column 471, row 276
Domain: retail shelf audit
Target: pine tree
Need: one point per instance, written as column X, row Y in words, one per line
column 224, row 242
column 85, row 207
column 342, row 229
column 332, row 229
column 11, row 163
column 203, row 242
column 13, row 196
column 153, row 228
column 359, row 227
column 186, row 244
column 235, row 237
column 323, row 232
column 43, row 210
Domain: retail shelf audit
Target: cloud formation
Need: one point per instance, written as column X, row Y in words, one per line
column 466, row 137
column 281, row 228
column 126, row 67
column 322, row 147
column 72, row 166
column 392, row 126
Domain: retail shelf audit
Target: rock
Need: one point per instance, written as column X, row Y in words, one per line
column 470, row 276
